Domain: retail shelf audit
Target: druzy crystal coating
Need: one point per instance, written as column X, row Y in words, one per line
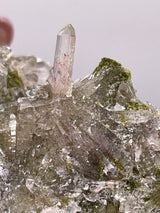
column 61, row 78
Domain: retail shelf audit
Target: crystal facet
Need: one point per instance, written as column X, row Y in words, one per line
column 5, row 54
column 20, row 75
column 61, row 77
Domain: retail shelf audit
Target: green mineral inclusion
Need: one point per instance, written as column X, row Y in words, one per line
column 133, row 105
column 119, row 72
column 13, row 80
column 109, row 75
column 122, row 118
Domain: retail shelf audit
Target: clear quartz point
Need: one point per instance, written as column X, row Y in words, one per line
column 61, row 77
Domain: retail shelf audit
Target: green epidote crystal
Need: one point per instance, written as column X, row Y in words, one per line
column 108, row 76
column 133, row 105
column 94, row 152
column 13, row 80
column 114, row 69
column 14, row 88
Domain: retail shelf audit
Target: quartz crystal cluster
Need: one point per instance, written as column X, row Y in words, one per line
column 96, row 151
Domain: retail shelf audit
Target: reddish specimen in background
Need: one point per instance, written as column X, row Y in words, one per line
column 6, row 31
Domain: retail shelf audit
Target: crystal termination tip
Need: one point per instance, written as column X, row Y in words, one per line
column 67, row 30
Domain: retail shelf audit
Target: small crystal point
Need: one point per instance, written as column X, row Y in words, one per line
column 67, row 30
column 61, row 77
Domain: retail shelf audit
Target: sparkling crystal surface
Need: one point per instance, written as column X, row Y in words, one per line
column 61, row 77
column 97, row 151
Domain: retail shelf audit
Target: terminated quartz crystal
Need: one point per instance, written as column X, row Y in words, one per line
column 61, row 78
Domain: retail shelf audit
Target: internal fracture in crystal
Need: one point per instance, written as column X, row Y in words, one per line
column 61, row 77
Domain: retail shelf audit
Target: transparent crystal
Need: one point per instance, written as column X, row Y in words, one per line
column 3, row 76
column 61, row 78
column 20, row 75
column 5, row 54
column 32, row 70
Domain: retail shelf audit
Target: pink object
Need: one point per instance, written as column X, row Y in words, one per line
column 6, row 31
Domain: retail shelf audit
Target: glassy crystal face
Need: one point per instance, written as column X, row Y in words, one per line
column 33, row 71
column 96, row 151
column 5, row 53
column 61, row 78
column 19, row 75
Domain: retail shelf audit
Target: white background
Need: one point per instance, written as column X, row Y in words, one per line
column 125, row 30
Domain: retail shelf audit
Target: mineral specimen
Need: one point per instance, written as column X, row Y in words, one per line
column 97, row 151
